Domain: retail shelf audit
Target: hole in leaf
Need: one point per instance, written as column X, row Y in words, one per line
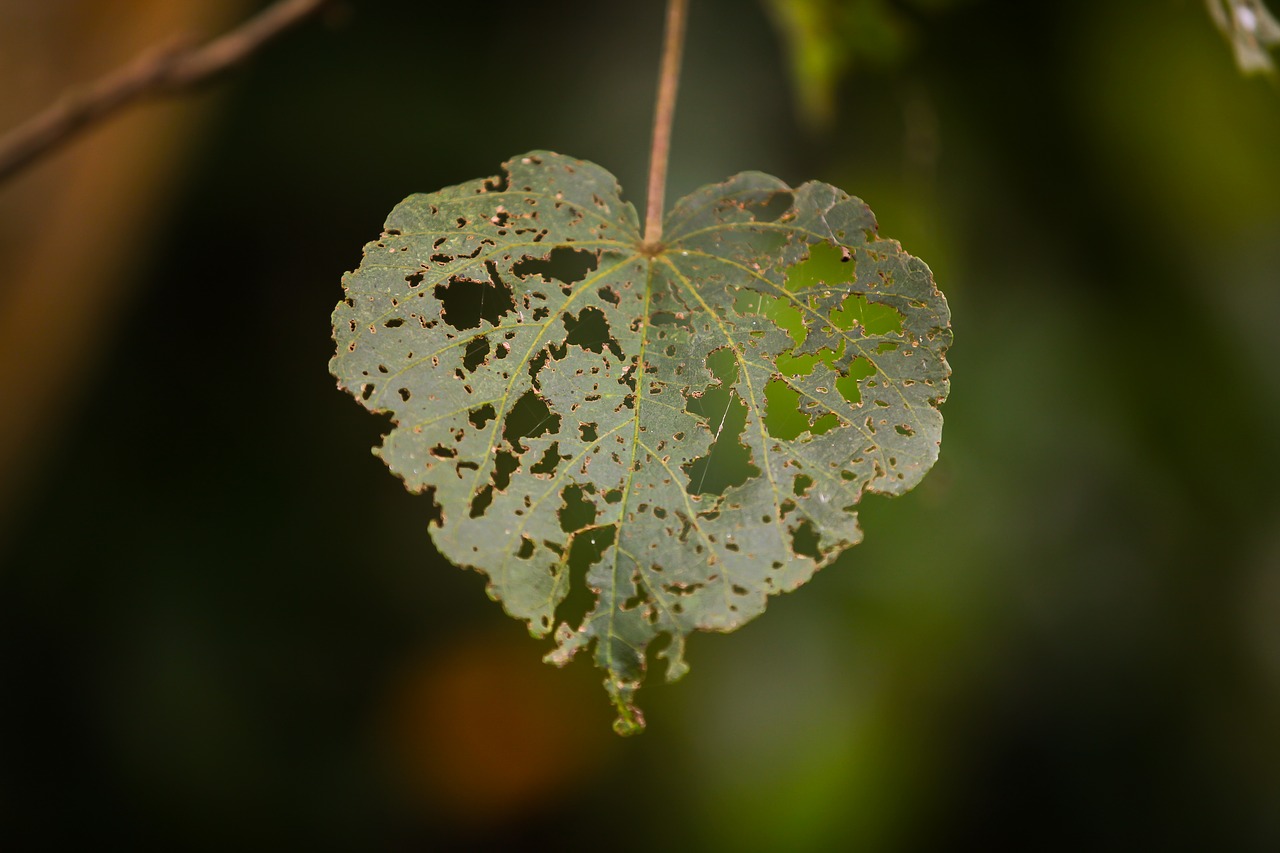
column 481, row 501
column 476, row 351
column 467, row 301
column 826, row 265
column 728, row 460
column 544, row 355
column 804, row 540
column 783, row 418
column 590, row 330
column 629, row 377
column 847, row 385
column 825, row 424
column 530, row 417
column 588, row 431
column 578, row 512
column 875, row 318
column 568, row 266
column 526, row 548
column 771, row 208
column 637, row 598
column 394, row 323
column 481, row 416
column 586, row 549
column 504, row 465
column 549, row 461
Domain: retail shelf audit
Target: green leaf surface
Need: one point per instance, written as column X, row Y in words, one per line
column 670, row 436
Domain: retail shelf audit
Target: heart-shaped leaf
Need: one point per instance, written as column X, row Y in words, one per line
column 685, row 429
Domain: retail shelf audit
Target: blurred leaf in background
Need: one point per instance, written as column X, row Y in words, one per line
column 826, row 39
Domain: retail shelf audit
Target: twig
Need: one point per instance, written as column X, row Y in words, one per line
column 160, row 71
column 664, row 114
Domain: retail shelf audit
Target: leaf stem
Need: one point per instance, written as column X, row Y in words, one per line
column 663, row 117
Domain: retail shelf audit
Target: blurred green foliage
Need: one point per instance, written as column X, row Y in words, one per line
column 1066, row 638
column 826, row 39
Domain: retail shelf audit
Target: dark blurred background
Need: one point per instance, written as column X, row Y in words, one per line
column 223, row 624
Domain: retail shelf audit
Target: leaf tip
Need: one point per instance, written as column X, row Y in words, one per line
column 630, row 719
column 629, row 723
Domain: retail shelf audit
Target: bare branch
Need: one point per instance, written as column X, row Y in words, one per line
column 166, row 70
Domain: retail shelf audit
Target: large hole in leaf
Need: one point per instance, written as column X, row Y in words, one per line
column 530, row 417
column 826, row 265
column 480, row 502
column 859, row 369
column 504, row 465
column 804, row 540
column 578, row 511
column 482, row 415
column 476, row 350
column 790, row 414
column 467, row 301
column 550, row 460
column 783, row 417
column 590, row 330
column 786, row 315
column 833, row 267
column 587, row 549
column 568, row 266
column 728, row 460
column 771, row 207
column 875, row 318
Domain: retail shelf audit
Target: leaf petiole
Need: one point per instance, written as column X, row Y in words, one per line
column 663, row 118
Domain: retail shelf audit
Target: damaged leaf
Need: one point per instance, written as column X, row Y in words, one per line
column 632, row 444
